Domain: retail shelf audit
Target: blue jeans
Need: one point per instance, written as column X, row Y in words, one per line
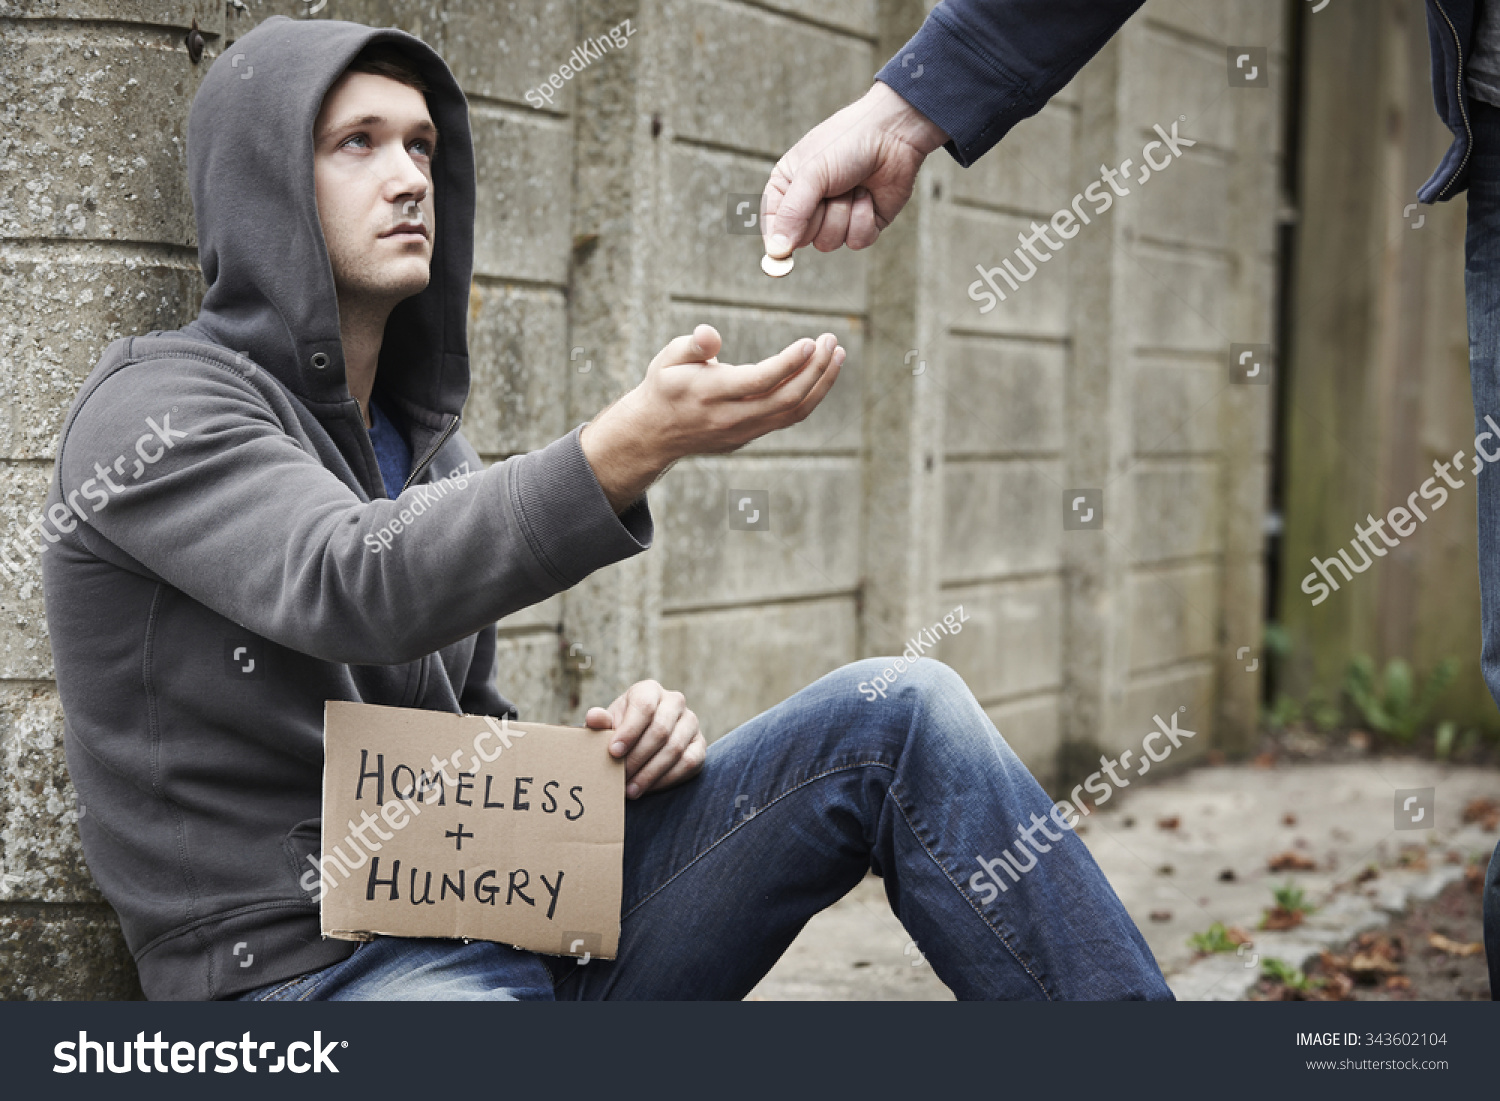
column 1482, row 291
column 789, row 813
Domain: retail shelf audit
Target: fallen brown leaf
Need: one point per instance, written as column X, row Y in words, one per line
column 1161, row 915
column 1485, row 811
column 1369, row 967
column 1264, row 760
column 1278, row 918
column 1338, row 988
column 1414, row 858
column 1369, row 872
column 1288, row 819
column 1169, row 822
column 1453, row 947
column 1290, row 861
column 1474, row 877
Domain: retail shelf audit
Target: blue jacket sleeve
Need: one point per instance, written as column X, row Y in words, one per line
column 978, row 67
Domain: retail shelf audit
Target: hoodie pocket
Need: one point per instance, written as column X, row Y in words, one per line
column 303, row 844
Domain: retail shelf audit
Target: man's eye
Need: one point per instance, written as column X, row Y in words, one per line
column 426, row 146
column 354, row 138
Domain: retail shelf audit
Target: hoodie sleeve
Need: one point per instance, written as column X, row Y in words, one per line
column 184, row 466
column 978, row 67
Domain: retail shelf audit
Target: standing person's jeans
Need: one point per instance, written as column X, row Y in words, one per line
column 1482, row 290
column 789, row 813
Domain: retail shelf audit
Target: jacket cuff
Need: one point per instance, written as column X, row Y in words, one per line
column 567, row 519
column 939, row 78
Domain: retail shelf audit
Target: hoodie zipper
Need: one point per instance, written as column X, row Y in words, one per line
column 431, row 452
column 1463, row 111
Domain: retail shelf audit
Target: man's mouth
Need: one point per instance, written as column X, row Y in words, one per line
column 407, row 231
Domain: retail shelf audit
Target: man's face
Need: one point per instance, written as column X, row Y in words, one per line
column 373, row 144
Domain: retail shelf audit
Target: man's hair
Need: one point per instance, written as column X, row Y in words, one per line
column 385, row 59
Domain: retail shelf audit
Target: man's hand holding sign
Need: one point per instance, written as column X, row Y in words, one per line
column 656, row 734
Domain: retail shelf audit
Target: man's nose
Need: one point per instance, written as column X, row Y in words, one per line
column 404, row 180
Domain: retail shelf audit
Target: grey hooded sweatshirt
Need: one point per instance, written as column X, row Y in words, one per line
column 221, row 557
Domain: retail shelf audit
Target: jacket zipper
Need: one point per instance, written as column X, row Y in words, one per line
column 431, row 452
column 1463, row 111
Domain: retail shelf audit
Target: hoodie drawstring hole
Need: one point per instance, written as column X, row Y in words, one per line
column 320, row 360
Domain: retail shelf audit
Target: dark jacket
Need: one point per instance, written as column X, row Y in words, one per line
column 1450, row 33
column 978, row 67
column 225, row 559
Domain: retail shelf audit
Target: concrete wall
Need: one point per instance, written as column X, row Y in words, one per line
column 935, row 473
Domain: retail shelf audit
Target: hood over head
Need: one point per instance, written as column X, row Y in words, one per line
column 271, row 292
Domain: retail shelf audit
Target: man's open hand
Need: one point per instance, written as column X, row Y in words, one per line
column 691, row 404
column 656, row 734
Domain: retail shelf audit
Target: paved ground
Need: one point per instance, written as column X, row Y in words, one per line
column 1233, row 819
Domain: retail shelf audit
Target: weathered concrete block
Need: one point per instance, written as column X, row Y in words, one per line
column 753, row 335
column 854, row 15
column 1033, row 169
column 1175, row 410
column 42, row 856
column 1011, row 642
column 1185, row 203
column 1209, row 20
column 523, row 167
column 530, row 674
column 1001, row 518
column 1261, row 24
column 1180, row 300
column 712, row 263
column 1169, row 78
column 1174, row 614
column 1176, row 510
column 67, row 308
column 521, row 369
column 1001, row 396
column 1189, row 686
column 500, row 51
column 24, row 653
column 811, row 546
column 1037, row 306
column 754, row 80
column 64, row 953
column 735, row 663
column 166, row 13
column 83, row 107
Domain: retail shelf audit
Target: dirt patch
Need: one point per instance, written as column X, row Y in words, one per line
column 1431, row 954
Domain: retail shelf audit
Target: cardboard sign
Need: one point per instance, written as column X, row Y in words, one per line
column 470, row 827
